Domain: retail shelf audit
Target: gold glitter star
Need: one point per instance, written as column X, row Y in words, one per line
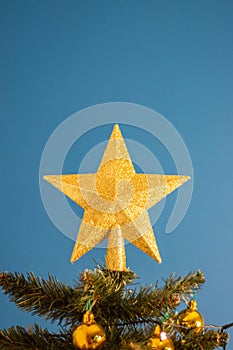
column 116, row 201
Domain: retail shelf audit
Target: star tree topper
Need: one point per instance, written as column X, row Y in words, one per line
column 116, row 201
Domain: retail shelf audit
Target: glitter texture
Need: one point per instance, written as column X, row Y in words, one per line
column 115, row 258
column 115, row 202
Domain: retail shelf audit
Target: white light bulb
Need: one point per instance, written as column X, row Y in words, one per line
column 163, row 336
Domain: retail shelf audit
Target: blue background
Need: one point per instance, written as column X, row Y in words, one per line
column 175, row 57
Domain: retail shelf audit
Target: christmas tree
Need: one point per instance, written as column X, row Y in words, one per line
column 106, row 308
column 126, row 314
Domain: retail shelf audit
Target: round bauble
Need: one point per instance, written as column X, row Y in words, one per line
column 160, row 341
column 88, row 335
column 190, row 319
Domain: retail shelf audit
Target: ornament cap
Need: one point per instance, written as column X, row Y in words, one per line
column 192, row 305
column 88, row 318
column 157, row 330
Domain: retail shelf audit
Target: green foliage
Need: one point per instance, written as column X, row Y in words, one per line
column 127, row 313
column 33, row 339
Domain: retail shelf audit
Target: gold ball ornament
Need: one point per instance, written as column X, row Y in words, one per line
column 160, row 341
column 190, row 319
column 88, row 335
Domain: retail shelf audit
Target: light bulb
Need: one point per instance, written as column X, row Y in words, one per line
column 163, row 336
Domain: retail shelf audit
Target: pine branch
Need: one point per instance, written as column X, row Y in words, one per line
column 146, row 304
column 112, row 303
column 56, row 301
column 51, row 299
column 208, row 340
column 127, row 315
column 33, row 339
column 37, row 339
